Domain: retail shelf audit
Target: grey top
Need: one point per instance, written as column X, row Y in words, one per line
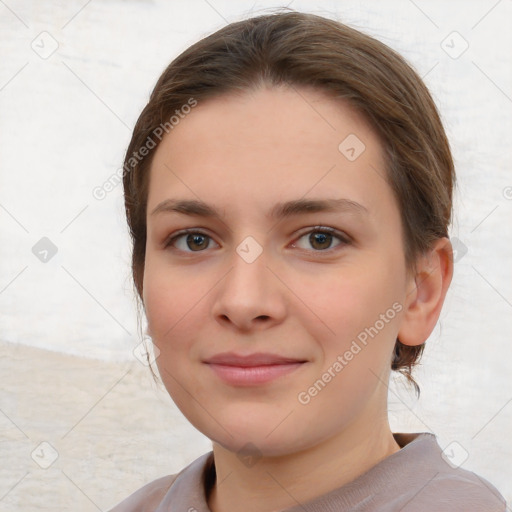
column 417, row 478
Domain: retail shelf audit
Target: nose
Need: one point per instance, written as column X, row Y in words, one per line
column 250, row 297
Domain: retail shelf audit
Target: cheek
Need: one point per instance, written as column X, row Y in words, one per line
column 177, row 308
column 358, row 305
column 172, row 309
column 169, row 300
column 345, row 299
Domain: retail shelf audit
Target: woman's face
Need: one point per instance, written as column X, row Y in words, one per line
column 272, row 330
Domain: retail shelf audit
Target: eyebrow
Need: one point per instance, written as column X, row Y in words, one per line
column 279, row 211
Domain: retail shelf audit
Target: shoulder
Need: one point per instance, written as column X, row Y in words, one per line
column 456, row 490
column 428, row 480
column 460, row 489
column 147, row 498
column 177, row 488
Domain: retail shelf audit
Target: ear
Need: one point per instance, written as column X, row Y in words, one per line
column 426, row 293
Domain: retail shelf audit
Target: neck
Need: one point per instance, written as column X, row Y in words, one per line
column 277, row 483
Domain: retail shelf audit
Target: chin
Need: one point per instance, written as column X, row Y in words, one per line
column 256, row 438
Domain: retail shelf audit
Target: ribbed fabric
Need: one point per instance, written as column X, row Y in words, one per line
column 415, row 479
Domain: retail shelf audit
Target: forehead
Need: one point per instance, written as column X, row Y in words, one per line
column 253, row 150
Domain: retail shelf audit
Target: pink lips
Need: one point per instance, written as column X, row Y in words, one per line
column 251, row 369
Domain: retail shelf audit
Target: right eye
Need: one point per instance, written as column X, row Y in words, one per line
column 195, row 241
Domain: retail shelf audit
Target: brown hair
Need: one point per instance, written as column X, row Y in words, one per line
column 300, row 49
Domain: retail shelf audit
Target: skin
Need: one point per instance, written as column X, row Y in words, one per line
column 243, row 154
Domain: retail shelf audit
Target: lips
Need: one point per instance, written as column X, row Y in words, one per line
column 257, row 359
column 252, row 369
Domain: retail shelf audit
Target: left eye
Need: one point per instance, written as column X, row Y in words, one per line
column 321, row 239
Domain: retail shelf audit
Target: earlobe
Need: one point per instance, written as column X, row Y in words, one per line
column 424, row 302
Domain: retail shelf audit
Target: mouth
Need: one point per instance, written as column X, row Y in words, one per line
column 252, row 369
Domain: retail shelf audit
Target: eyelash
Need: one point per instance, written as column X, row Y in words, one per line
column 344, row 239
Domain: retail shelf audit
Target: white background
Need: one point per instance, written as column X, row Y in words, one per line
column 66, row 120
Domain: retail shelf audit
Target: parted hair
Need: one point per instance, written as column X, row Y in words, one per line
column 301, row 49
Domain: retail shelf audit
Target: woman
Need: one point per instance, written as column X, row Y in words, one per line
column 288, row 189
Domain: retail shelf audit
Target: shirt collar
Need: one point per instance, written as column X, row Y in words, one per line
column 188, row 491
